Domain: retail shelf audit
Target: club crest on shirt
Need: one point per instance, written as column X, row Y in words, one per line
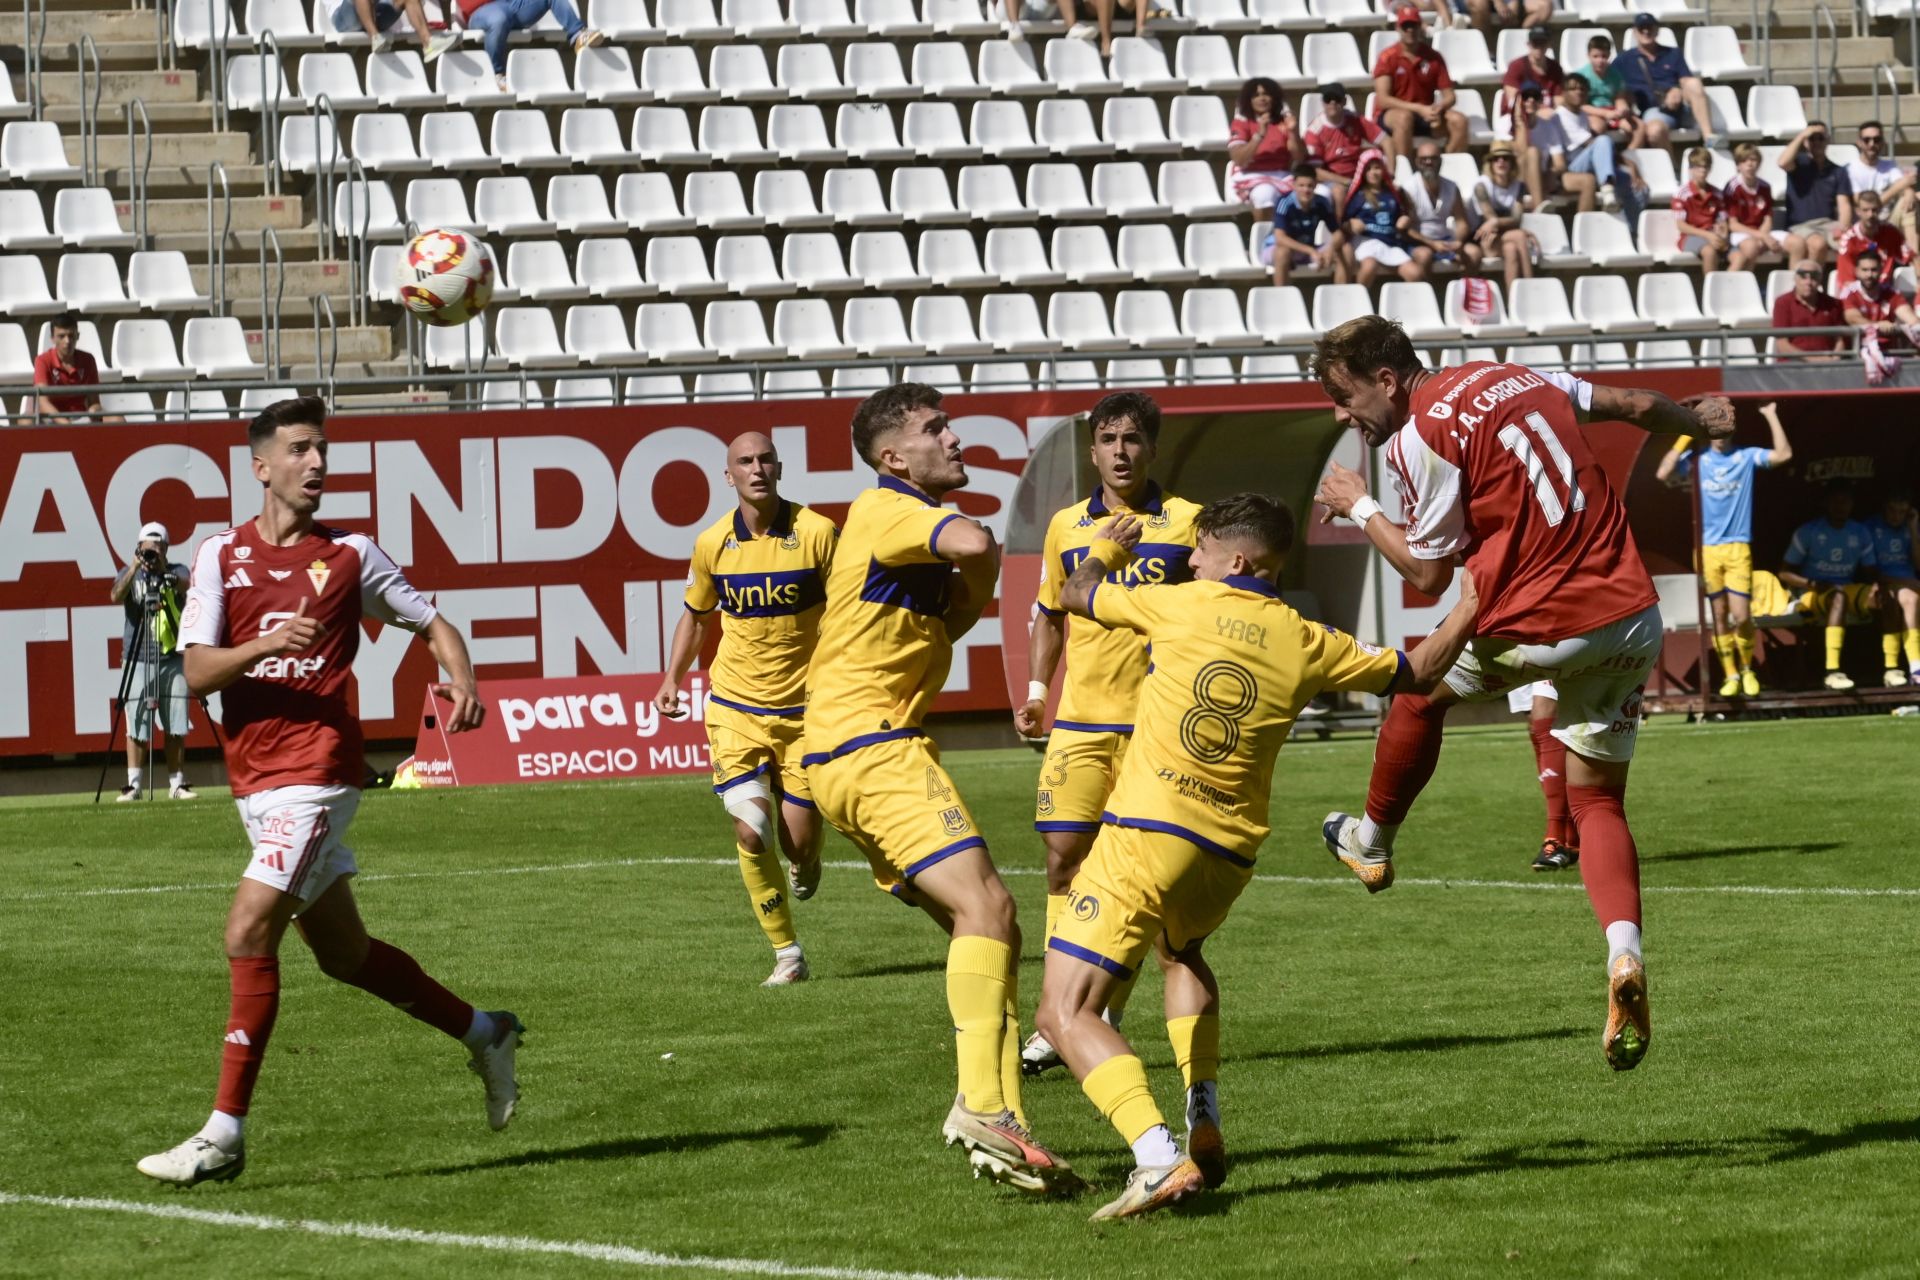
column 317, row 574
column 242, row 553
column 1044, row 805
column 1160, row 521
column 954, row 820
column 790, row 543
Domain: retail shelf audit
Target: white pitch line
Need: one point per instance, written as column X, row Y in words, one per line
column 1428, row 882
column 625, row 1255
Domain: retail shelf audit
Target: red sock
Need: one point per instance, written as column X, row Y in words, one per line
column 1550, row 754
column 1609, row 863
column 397, row 978
column 1404, row 756
column 256, row 1001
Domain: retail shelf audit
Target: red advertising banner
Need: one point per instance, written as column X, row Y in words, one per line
column 572, row 730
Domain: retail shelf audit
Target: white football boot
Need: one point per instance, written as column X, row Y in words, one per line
column 194, row 1161
column 493, row 1063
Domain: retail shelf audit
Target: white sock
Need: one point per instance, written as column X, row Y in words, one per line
column 224, row 1131
column 1375, row 837
column 176, row 780
column 1155, row 1149
column 133, row 778
column 1203, row 1102
column 1112, row 1017
column 480, row 1034
column 1623, row 938
column 789, row 952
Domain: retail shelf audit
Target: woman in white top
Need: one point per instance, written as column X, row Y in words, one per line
column 1499, row 200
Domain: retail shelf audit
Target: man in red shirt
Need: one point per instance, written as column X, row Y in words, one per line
column 1809, row 306
column 1869, row 230
column 1412, row 91
column 1872, row 301
column 1536, row 66
column 273, row 621
column 1337, row 138
column 64, row 364
column 1494, row 468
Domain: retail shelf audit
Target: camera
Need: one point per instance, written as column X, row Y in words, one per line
column 150, row 556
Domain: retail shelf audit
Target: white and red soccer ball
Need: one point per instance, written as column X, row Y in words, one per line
column 446, row 277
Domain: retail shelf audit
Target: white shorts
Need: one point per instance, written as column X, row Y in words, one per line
column 1778, row 239
column 296, row 834
column 1598, row 676
column 1691, row 242
column 1520, row 700
column 1387, row 255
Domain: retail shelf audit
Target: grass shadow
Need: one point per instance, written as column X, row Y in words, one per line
column 797, row 1137
column 935, row 965
column 1744, row 851
column 1409, row 1044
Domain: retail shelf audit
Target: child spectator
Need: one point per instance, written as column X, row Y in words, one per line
column 1376, row 226
column 64, row 364
column 1298, row 215
column 1749, row 204
column 1699, row 214
column 1607, row 99
column 1537, row 67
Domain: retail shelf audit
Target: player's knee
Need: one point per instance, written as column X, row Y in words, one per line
column 339, row 964
column 751, row 805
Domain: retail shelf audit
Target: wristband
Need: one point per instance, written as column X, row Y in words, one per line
column 1109, row 553
column 1680, row 443
column 1364, row 510
column 1036, row 691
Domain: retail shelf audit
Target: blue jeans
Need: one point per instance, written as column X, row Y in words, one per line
column 498, row 20
column 347, row 19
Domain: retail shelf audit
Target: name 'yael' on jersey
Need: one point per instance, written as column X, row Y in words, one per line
column 770, row 591
column 1106, row 664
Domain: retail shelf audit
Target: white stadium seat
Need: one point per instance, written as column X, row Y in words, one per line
column 607, row 268
column 538, row 271
column 1602, row 302
column 1085, row 256
column 1541, row 305
column 216, row 347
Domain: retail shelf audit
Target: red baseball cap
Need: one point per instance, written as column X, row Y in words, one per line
column 1404, row 14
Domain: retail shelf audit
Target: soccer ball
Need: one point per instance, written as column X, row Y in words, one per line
column 445, row 277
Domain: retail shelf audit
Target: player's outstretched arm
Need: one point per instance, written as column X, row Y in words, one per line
column 1429, row 663
column 449, row 649
column 210, row 669
column 689, row 635
column 1668, row 472
column 1112, row 548
column 1709, row 416
column 969, row 546
column 1782, row 452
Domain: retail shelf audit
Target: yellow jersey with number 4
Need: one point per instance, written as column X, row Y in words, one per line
column 1232, row 667
column 1105, row 664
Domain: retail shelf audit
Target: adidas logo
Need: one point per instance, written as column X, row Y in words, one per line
column 1547, row 773
column 238, row 578
column 238, row 1036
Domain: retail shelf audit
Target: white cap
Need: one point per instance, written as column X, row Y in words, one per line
column 154, row 531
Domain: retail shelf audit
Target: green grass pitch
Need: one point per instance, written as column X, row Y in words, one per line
column 1412, row 1083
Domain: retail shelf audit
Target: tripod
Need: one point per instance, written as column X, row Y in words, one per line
column 146, row 648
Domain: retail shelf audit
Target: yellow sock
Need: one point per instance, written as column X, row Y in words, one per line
column 1729, row 662
column 1196, row 1046
column 1912, row 641
column 1117, row 1001
column 1743, row 645
column 1890, row 649
column 767, row 890
column 977, row 998
column 1118, row 1087
column 1836, row 639
column 1056, row 903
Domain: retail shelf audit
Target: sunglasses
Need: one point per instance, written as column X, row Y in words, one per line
column 1808, row 275
column 1411, row 26
column 1865, row 138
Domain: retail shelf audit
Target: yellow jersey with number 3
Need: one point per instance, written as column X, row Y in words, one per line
column 883, row 651
column 1232, row 667
column 1105, row 664
column 769, row 591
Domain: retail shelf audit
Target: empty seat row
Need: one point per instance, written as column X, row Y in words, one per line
column 83, row 218
column 92, row 283
column 211, row 346
column 786, row 199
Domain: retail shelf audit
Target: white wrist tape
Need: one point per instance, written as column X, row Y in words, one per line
column 1036, row 691
column 1364, row 510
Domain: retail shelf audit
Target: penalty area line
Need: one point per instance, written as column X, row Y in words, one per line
column 615, row 864
column 620, row 1254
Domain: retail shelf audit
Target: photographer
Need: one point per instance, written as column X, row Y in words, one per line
column 151, row 589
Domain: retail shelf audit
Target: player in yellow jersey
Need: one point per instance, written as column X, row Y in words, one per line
column 910, row 578
column 1232, row 667
column 763, row 568
column 1104, row 665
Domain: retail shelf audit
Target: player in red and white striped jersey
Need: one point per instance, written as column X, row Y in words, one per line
column 1496, row 472
column 272, row 621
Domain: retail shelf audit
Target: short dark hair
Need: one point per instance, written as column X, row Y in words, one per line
column 1363, row 346
column 1864, row 254
column 1900, row 493
column 885, row 410
column 1254, row 516
column 306, row 411
column 1872, row 124
column 1255, row 85
column 1602, row 43
column 65, row 320
column 1306, row 171
column 1138, row 406
column 1838, row 484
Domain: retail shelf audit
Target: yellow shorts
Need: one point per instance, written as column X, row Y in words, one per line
column 744, row 746
column 1859, row 608
column 1727, row 567
column 1077, row 778
column 897, row 805
column 1135, row 886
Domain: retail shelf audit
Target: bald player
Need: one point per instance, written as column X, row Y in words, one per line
column 763, row 569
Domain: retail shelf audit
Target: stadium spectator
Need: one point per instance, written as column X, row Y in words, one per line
column 1809, row 306
column 1413, row 92
column 1337, row 138
column 151, row 589
column 1895, row 532
column 1500, row 199
column 1538, row 67
column 1376, row 226
column 1869, row 231
column 1296, row 218
column 1436, row 209
column 1749, row 204
column 1699, row 214
column 1664, row 88
column 1608, row 102
column 1819, row 195
column 1586, row 163
column 64, row 364
column 1491, row 16
column 1822, row 562
column 1871, row 300
column 1875, row 170
column 1078, row 28
column 376, row 18
column 1265, row 145
column 497, row 20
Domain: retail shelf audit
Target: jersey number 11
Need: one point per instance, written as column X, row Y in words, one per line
column 1520, row 447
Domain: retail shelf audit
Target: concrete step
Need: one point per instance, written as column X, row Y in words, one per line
column 250, row 213
column 393, row 400
column 191, row 180
column 165, row 117
column 169, row 149
column 303, row 280
column 301, row 244
column 106, row 26
column 359, row 344
column 1862, row 51
column 64, row 88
